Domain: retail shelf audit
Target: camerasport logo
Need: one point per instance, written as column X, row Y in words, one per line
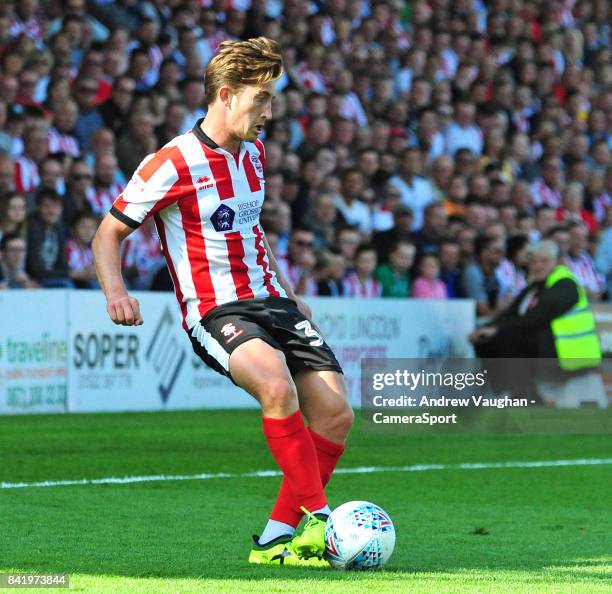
column 166, row 354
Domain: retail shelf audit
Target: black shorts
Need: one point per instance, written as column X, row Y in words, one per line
column 276, row 320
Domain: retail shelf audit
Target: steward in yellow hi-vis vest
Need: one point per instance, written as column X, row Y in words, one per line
column 550, row 318
column 576, row 340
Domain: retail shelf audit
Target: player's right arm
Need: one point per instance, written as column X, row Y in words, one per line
column 152, row 188
column 121, row 308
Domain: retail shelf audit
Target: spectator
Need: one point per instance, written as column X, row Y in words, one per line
column 141, row 256
column 519, row 158
column 13, row 211
column 79, row 255
column 547, row 189
column 401, row 230
column 193, row 94
column 176, row 114
column 12, row 263
column 462, row 132
column 136, row 143
column 115, row 109
column 348, row 239
column 456, row 196
column 545, row 220
column 450, row 272
column 361, row 282
column 417, row 192
column 511, row 271
column 61, row 139
column 479, row 281
column 581, row 263
column 428, row 285
column 561, row 236
column 427, row 239
column 572, row 207
column 106, row 189
column 322, row 220
column 382, row 215
column 26, row 166
column 297, row 266
column 332, row 282
column 46, row 256
column 349, row 204
column 7, row 174
column 52, row 175
column 80, row 194
column 394, row 276
column 90, row 118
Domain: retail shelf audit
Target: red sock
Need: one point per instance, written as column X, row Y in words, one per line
column 295, row 454
column 328, row 454
column 286, row 509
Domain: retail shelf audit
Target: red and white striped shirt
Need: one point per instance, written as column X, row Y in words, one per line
column 510, row 278
column 141, row 251
column 63, row 143
column 311, row 79
column 78, row 257
column 206, row 204
column 353, row 287
column 543, row 194
column 293, row 273
column 583, row 268
column 26, row 176
column 102, row 198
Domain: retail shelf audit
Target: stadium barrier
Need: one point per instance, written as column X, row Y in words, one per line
column 59, row 352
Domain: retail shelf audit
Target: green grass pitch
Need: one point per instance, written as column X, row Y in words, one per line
column 484, row 530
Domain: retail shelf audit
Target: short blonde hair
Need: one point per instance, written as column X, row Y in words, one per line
column 256, row 61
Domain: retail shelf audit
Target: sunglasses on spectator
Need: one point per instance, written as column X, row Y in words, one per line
column 303, row 243
column 80, row 176
column 87, row 89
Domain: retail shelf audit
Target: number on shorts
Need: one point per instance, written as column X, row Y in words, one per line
column 310, row 332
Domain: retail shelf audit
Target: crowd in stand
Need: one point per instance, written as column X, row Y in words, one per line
column 417, row 147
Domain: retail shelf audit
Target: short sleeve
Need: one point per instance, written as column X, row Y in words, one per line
column 152, row 187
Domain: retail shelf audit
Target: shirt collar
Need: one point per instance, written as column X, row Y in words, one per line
column 208, row 141
column 203, row 137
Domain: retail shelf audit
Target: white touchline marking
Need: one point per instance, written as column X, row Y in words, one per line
column 126, row 480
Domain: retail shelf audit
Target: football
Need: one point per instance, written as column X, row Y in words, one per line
column 359, row 535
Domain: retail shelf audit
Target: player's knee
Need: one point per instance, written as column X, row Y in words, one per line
column 343, row 420
column 278, row 396
column 336, row 424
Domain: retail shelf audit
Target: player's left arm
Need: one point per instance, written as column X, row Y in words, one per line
column 303, row 307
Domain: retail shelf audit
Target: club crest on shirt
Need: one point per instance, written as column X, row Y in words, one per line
column 258, row 166
column 223, row 218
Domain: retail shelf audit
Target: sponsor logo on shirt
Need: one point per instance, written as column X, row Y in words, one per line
column 223, row 218
column 203, row 182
